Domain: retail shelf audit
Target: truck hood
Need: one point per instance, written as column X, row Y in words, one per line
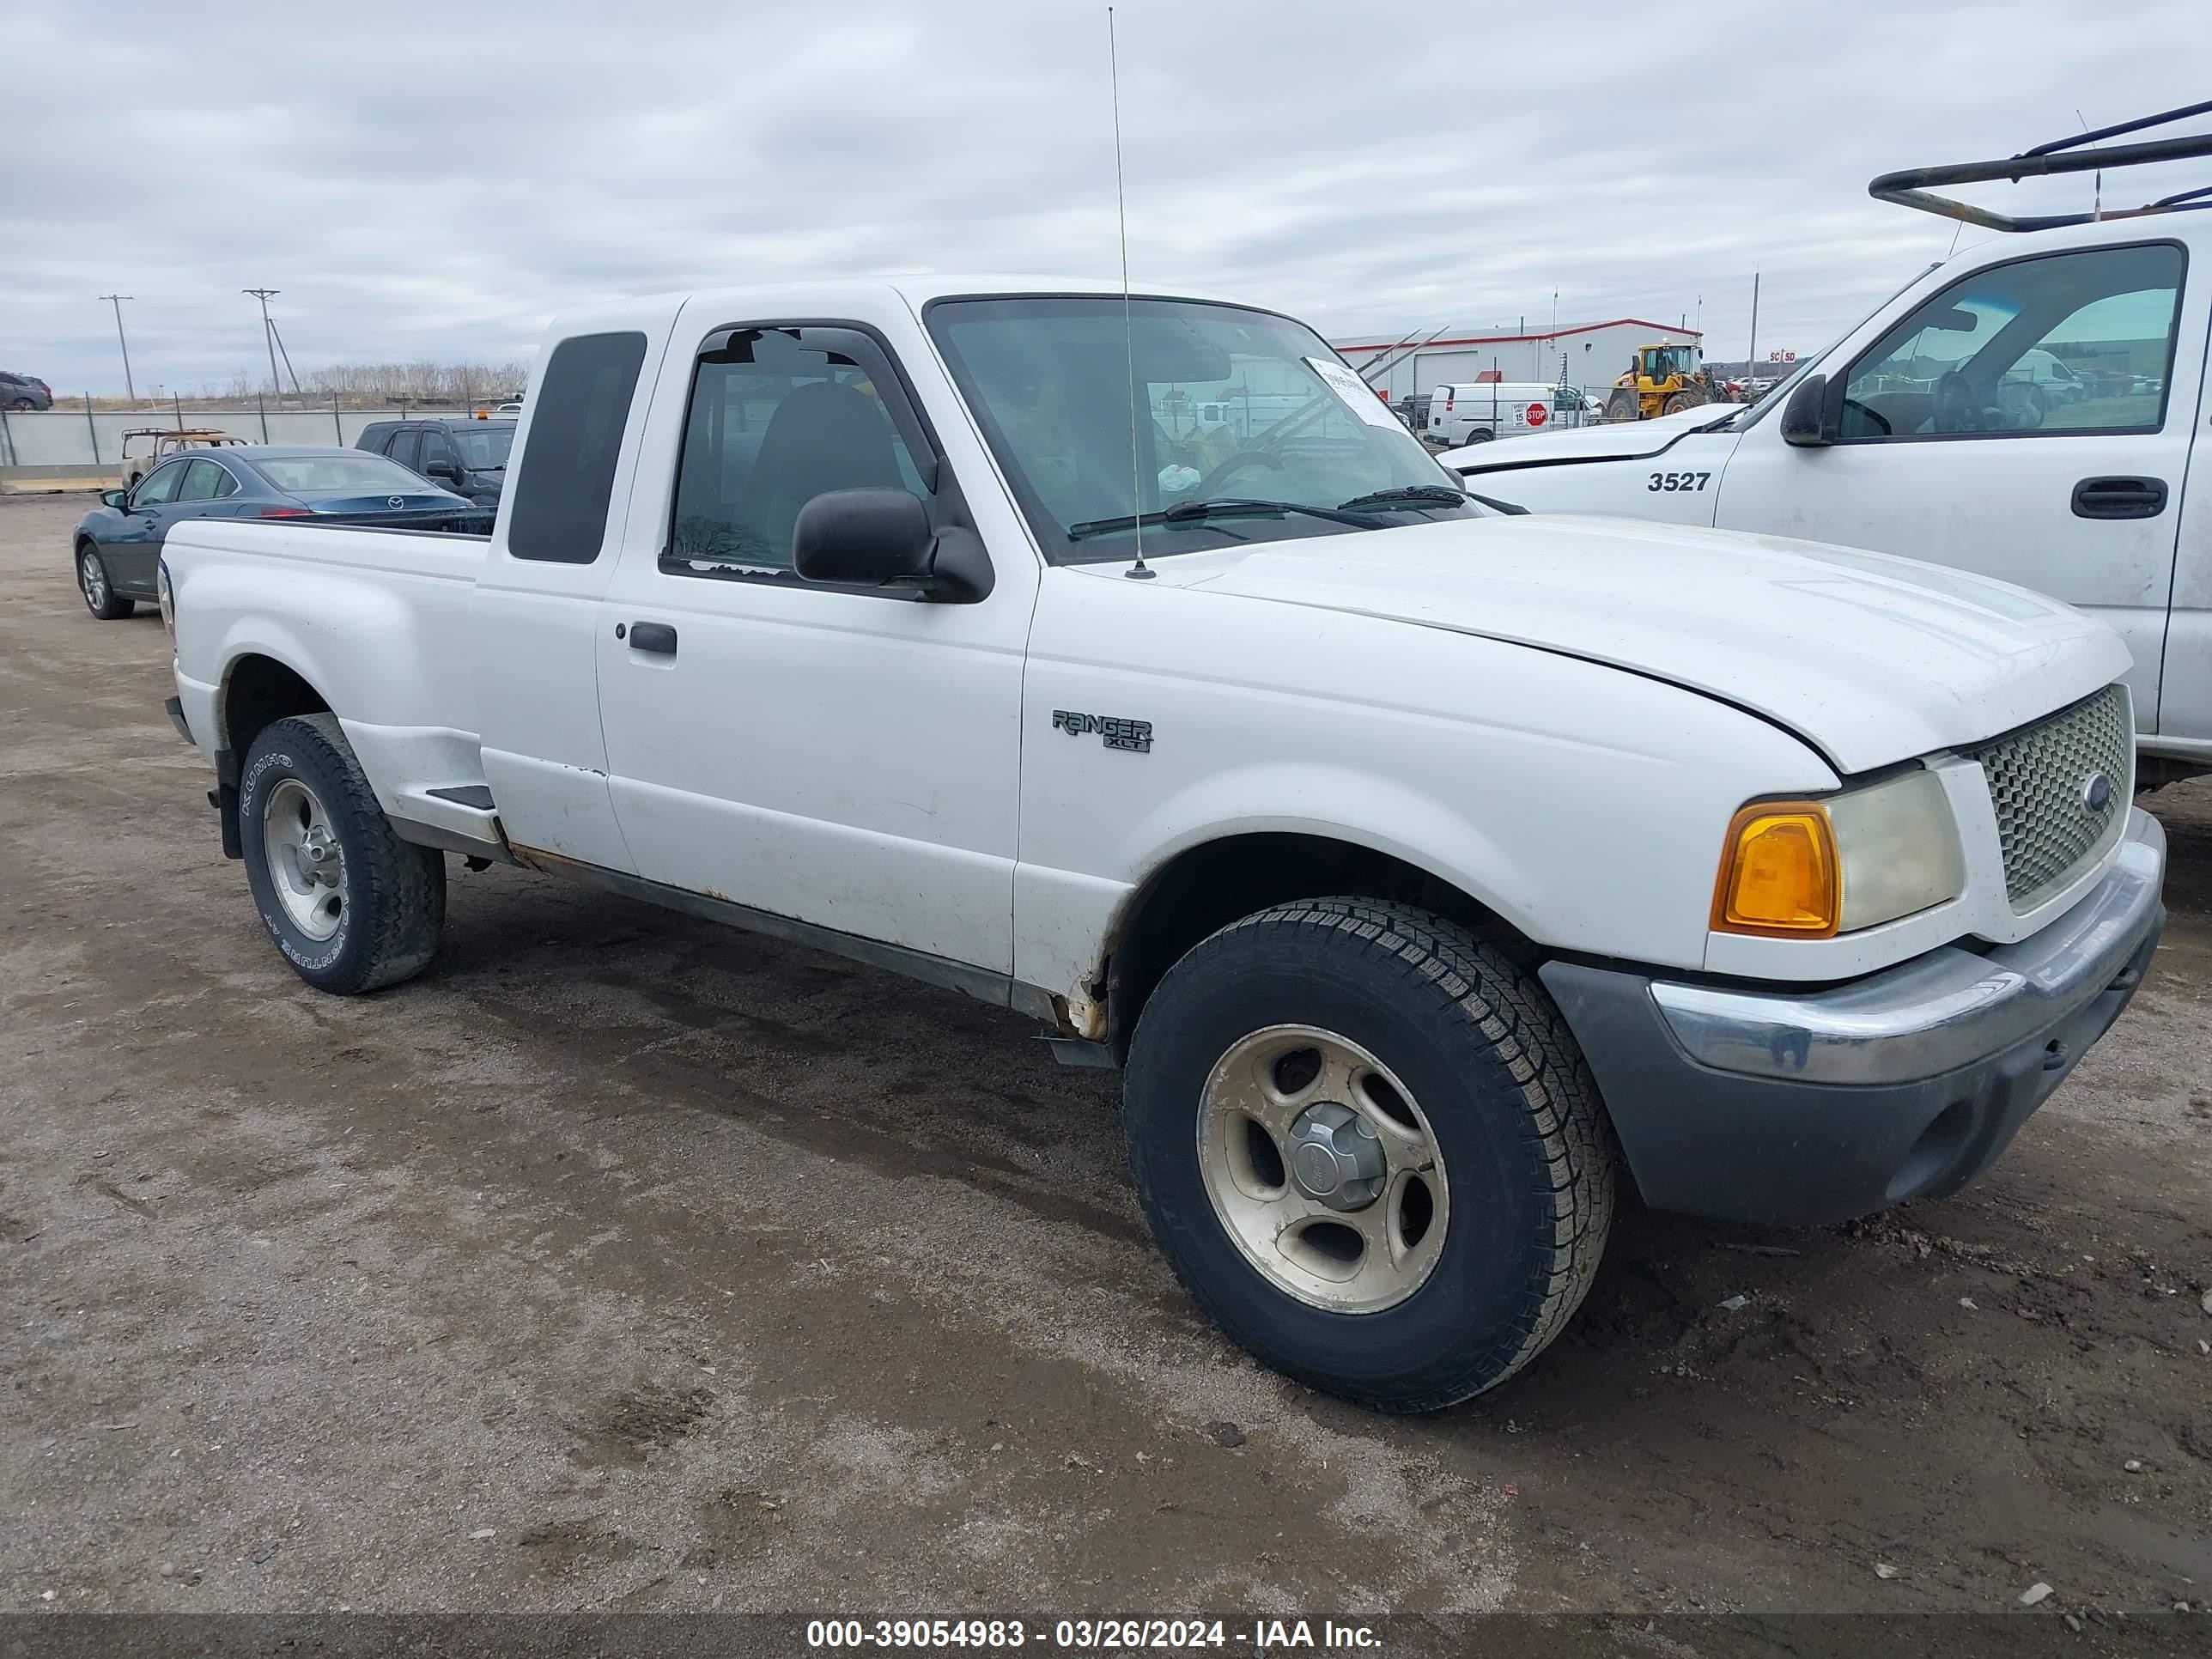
column 1616, row 440
column 1869, row 658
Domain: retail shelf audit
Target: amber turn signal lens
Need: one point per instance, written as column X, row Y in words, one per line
column 1778, row 873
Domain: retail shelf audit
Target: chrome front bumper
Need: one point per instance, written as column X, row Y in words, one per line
column 1816, row 1106
column 1938, row 1011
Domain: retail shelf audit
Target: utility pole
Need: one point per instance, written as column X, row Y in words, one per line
column 1751, row 363
column 117, row 300
column 268, row 333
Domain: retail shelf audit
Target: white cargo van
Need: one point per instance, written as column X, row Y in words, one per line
column 1475, row 412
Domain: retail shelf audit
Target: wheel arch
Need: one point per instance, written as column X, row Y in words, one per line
column 257, row 689
column 1206, row 886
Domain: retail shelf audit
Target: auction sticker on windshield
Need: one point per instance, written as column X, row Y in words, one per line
column 1359, row 396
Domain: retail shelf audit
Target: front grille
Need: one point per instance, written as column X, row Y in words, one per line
column 2041, row 782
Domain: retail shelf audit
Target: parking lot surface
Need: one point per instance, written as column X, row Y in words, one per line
column 624, row 1262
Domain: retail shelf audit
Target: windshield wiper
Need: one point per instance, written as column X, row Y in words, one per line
column 1227, row 507
column 1510, row 509
column 1408, row 495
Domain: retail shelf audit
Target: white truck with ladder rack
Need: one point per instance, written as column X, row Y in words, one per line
column 2028, row 409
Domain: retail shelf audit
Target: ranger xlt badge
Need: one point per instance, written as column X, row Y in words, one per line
column 1135, row 736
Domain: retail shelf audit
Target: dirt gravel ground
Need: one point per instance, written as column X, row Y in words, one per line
column 623, row 1262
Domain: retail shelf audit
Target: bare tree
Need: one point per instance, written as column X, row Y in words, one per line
column 377, row 384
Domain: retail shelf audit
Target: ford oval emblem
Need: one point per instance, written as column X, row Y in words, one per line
column 395, row 502
column 2096, row 792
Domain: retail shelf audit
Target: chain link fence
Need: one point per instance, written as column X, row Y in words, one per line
column 78, row 438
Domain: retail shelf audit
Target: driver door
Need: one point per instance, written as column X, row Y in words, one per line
column 844, row 757
column 1952, row 451
column 132, row 547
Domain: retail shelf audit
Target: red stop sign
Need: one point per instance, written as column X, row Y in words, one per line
column 1535, row 414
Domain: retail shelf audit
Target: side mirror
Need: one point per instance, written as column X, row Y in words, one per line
column 1805, row 420
column 449, row 471
column 117, row 498
column 873, row 537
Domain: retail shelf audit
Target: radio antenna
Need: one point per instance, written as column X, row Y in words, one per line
column 1140, row 571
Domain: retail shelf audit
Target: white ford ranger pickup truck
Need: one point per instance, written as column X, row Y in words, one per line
column 1423, row 866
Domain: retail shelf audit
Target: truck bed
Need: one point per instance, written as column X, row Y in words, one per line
column 401, row 666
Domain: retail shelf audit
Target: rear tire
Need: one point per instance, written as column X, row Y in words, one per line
column 1621, row 405
column 1520, row 1186
column 352, row 907
column 97, row 588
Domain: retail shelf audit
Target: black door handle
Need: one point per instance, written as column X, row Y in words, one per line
column 657, row 637
column 2119, row 498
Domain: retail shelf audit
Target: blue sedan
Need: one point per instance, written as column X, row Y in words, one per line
column 118, row 545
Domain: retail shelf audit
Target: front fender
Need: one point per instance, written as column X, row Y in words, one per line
column 1584, row 804
column 1336, row 802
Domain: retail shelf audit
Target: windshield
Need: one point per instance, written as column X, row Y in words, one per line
column 484, row 446
column 343, row 472
column 1778, row 395
column 1233, row 405
column 1674, row 360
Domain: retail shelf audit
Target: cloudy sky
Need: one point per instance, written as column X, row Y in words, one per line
column 433, row 182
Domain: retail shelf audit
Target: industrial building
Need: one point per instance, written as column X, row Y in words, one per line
column 1588, row 355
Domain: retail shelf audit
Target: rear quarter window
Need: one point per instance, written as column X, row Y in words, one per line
column 582, row 405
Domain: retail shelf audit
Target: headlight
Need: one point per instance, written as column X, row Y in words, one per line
column 1807, row 869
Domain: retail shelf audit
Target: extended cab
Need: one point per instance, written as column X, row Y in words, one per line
column 1419, row 864
column 2028, row 409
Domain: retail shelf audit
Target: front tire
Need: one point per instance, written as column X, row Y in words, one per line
column 1452, row 1216
column 98, row 591
column 352, row 907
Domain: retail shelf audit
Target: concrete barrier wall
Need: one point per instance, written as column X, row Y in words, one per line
column 41, row 480
column 57, row 437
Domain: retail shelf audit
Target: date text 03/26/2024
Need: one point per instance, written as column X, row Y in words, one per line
column 1254, row 1636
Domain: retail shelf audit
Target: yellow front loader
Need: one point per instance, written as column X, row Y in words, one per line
column 1662, row 379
